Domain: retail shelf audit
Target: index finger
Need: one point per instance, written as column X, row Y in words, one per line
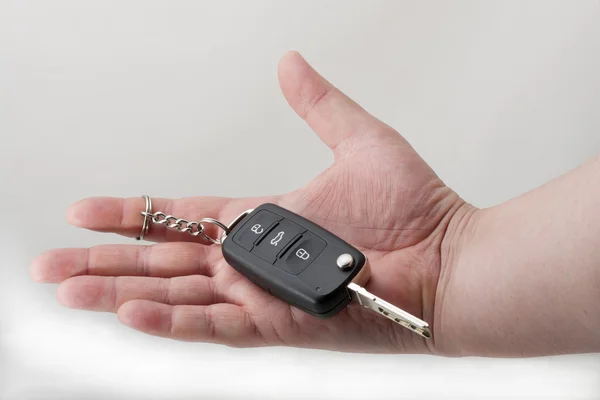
column 123, row 215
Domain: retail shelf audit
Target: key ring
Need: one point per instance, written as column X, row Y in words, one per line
column 194, row 228
column 147, row 216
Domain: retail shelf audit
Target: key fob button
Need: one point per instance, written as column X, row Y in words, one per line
column 301, row 253
column 276, row 239
column 255, row 228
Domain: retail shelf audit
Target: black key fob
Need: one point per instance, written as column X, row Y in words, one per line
column 294, row 259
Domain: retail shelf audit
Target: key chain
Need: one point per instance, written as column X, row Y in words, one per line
column 194, row 228
column 293, row 259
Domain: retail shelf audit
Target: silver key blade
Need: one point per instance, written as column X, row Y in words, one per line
column 388, row 310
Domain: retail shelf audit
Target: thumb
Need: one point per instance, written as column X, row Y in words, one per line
column 342, row 124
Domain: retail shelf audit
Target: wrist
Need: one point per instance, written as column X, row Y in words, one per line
column 459, row 231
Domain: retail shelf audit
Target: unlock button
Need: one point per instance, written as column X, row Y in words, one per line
column 255, row 228
column 301, row 254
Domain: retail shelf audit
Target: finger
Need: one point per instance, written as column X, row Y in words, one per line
column 341, row 123
column 160, row 260
column 99, row 293
column 218, row 323
column 122, row 215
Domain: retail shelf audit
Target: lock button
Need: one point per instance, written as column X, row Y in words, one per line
column 255, row 228
column 301, row 253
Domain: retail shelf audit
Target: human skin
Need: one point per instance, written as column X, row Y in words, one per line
column 516, row 280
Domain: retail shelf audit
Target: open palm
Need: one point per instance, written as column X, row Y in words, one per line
column 379, row 196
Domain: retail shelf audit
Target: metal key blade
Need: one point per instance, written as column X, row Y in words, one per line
column 369, row 300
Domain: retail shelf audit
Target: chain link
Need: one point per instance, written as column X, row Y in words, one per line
column 178, row 224
column 194, row 228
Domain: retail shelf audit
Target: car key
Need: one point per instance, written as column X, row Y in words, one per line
column 291, row 258
column 305, row 265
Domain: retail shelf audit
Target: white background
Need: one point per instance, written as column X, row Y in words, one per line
column 181, row 98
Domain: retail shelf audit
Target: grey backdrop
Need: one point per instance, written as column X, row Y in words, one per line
column 181, row 98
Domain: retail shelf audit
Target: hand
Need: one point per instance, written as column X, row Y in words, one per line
column 379, row 196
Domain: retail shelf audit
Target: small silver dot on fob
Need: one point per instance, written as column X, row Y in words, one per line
column 345, row 261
